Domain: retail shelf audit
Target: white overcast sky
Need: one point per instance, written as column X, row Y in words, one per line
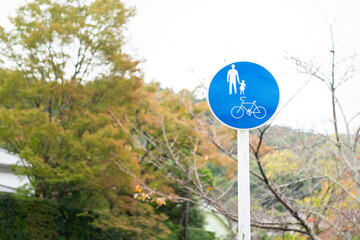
column 182, row 42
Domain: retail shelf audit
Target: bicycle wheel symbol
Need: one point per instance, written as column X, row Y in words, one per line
column 259, row 112
column 237, row 112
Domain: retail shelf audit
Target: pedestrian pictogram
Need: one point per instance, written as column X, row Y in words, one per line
column 243, row 95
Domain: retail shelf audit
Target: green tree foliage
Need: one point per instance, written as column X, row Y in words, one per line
column 65, row 68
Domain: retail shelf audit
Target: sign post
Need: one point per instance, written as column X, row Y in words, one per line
column 243, row 96
column 243, row 184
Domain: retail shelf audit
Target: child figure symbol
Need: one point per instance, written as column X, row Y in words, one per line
column 242, row 87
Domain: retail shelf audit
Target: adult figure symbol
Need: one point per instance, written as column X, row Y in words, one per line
column 232, row 77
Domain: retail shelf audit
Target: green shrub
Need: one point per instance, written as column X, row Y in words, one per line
column 41, row 217
column 34, row 219
column 12, row 221
column 200, row 234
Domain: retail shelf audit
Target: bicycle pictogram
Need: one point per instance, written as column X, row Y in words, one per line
column 250, row 108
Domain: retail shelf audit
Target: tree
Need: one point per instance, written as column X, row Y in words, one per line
column 64, row 68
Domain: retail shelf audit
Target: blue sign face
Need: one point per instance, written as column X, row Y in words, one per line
column 243, row 95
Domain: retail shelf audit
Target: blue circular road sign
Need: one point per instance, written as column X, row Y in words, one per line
column 243, row 95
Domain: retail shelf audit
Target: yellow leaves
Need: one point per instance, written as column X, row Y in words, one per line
column 159, row 201
column 204, row 158
column 279, row 163
column 144, row 197
column 138, row 189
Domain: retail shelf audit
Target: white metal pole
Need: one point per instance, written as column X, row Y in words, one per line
column 244, row 232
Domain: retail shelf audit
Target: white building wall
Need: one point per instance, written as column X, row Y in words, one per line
column 8, row 180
